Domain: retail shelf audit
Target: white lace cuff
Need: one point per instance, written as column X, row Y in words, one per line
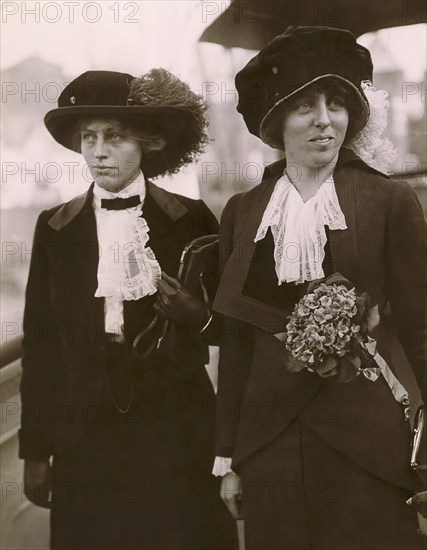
column 222, row 466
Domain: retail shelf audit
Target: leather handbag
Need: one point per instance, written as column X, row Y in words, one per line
column 198, row 259
column 197, row 271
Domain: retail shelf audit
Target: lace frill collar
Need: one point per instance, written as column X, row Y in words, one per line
column 298, row 229
column 127, row 268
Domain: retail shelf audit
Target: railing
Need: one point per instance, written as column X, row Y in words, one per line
column 10, row 351
column 22, row 525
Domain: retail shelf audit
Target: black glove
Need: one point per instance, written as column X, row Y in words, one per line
column 38, row 482
column 175, row 303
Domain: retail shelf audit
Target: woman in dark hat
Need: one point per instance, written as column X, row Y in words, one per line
column 119, row 445
column 308, row 460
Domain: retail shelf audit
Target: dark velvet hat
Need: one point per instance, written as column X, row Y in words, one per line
column 108, row 94
column 294, row 60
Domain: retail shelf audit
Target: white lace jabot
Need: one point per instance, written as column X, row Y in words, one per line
column 298, row 229
column 127, row 269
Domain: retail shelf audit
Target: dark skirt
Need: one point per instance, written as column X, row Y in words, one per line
column 142, row 480
column 300, row 493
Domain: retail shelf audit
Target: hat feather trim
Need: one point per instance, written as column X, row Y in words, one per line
column 160, row 88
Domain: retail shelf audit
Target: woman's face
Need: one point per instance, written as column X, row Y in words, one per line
column 113, row 157
column 314, row 128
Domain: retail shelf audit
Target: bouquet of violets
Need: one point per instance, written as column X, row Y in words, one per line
column 328, row 330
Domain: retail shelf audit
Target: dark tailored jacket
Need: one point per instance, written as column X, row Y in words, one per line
column 63, row 383
column 382, row 252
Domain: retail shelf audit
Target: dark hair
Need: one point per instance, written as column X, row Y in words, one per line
column 160, row 87
column 329, row 86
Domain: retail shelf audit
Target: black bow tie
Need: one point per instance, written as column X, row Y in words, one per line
column 121, row 204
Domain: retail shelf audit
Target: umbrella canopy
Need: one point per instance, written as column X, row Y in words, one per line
column 251, row 24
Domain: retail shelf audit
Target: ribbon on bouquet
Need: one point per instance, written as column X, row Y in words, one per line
column 373, row 373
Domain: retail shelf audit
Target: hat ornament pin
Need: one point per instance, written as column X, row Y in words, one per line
column 143, row 99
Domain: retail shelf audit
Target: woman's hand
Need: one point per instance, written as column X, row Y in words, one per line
column 231, row 494
column 333, row 279
column 176, row 303
column 343, row 368
column 38, row 482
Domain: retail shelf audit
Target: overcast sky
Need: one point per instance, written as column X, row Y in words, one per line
column 127, row 36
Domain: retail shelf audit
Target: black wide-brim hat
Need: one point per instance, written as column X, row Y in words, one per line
column 107, row 94
column 298, row 58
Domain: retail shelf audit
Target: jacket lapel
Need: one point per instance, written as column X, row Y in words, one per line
column 169, row 205
column 77, row 266
column 344, row 244
column 230, row 300
column 163, row 213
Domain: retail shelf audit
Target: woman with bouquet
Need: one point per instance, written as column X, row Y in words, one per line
column 313, row 440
